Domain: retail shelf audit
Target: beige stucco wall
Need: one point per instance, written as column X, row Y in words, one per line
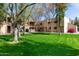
column 37, row 25
column 45, row 25
column 27, row 26
column 3, row 29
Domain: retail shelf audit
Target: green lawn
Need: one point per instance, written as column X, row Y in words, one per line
column 41, row 44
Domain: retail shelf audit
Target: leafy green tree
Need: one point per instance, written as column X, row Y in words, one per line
column 1, row 12
column 76, row 21
column 60, row 13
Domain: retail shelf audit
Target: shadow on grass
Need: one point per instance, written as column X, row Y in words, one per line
column 42, row 33
column 6, row 37
column 32, row 48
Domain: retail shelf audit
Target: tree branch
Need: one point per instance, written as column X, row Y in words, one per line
column 24, row 9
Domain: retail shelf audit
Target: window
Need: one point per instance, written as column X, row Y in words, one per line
column 55, row 27
column 49, row 22
column 56, row 21
column 40, row 23
column 78, row 29
column 31, row 27
column 27, row 30
column 8, row 29
column 49, row 27
column 31, row 23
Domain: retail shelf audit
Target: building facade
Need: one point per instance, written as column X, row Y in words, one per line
column 5, row 26
column 44, row 26
column 39, row 26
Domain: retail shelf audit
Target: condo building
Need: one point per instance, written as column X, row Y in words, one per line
column 51, row 25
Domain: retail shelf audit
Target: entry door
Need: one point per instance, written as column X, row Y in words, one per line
column 8, row 29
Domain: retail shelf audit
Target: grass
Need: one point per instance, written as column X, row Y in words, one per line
column 41, row 44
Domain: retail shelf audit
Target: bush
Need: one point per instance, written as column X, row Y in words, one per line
column 71, row 30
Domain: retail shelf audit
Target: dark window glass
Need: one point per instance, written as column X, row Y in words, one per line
column 55, row 27
column 49, row 22
column 27, row 30
column 56, row 21
column 78, row 28
column 8, row 29
column 40, row 23
column 31, row 27
column 49, row 27
column 31, row 23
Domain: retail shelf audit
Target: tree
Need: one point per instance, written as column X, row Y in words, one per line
column 76, row 21
column 2, row 14
column 60, row 12
column 46, row 11
column 16, row 21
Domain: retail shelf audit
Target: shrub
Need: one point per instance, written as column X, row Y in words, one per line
column 71, row 30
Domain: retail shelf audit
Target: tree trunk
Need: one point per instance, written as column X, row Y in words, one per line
column 24, row 30
column 19, row 34
column 15, row 35
column 59, row 26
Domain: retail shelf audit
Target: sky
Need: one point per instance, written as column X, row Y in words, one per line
column 72, row 11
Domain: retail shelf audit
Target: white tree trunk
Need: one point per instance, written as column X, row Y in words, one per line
column 19, row 34
column 24, row 30
column 16, row 35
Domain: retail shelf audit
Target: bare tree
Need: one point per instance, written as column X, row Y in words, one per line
column 16, row 21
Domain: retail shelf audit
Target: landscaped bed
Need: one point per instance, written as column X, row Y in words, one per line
column 41, row 44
